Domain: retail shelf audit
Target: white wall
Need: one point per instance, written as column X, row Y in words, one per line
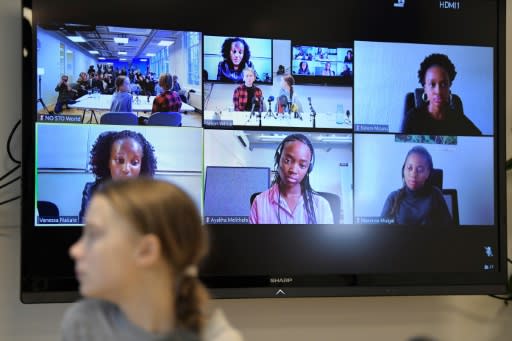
column 449, row 318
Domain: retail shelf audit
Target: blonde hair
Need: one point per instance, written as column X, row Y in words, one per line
column 249, row 69
column 160, row 208
column 165, row 81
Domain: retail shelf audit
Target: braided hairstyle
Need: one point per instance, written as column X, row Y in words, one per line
column 160, row 208
column 305, row 186
column 419, row 150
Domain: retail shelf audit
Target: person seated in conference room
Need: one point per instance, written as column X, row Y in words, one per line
column 167, row 100
column 82, row 84
column 288, row 95
column 66, row 94
column 291, row 200
column 236, row 57
column 247, row 96
column 150, row 84
column 437, row 115
column 122, row 98
column 327, row 70
column 349, row 57
column 175, row 84
column 303, row 68
column 137, row 268
column 97, row 82
column 347, row 72
column 108, row 84
column 418, row 201
column 118, row 155
column 177, row 87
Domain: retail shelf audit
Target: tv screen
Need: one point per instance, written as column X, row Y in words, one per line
column 336, row 155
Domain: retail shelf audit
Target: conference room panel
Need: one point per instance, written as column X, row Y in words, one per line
column 146, row 76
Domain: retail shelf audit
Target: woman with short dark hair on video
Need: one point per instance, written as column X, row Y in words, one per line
column 418, row 201
column 117, row 155
column 291, row 199
column 438, row 114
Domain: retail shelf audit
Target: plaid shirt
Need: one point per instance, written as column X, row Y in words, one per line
column 167, row 101
column 240, row 97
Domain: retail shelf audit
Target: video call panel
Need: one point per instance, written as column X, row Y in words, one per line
column 88, row 155
column 286, row 101
column 389, row 97
column 463, row 176
column 238, row 152
column 87, row 72
column 284, row 97
column 323, row 64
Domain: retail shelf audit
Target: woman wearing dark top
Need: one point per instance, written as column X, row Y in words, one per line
column 437, row 115
column 117, row 155
column 303, row 68
column 418, row 202
column 236, row 55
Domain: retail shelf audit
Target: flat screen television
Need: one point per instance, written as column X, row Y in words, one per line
column 401, row 171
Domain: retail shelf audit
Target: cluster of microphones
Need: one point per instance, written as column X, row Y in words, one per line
column 283, row 103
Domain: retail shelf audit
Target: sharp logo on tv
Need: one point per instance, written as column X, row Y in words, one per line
column 275, row 280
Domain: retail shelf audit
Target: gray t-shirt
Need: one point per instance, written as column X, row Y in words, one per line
column 95, row 320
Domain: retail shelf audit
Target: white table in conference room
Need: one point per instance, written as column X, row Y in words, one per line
column 243, row 118
column 102, row 102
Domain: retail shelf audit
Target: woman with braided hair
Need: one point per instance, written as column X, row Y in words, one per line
column 117, row 155
column 137, row 262
column 291, row 200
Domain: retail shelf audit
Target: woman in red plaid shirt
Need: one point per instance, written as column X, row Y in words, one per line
column 246, row 92
column 168, row 100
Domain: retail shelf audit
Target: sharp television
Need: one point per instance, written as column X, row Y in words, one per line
column 398, row 175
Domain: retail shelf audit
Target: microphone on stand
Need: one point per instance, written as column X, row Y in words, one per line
column 254, row 101
column 260, row 104
column 269, row 111
column 313, row 112
column 290, row 102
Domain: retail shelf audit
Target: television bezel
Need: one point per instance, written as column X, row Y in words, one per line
column 56, row 284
